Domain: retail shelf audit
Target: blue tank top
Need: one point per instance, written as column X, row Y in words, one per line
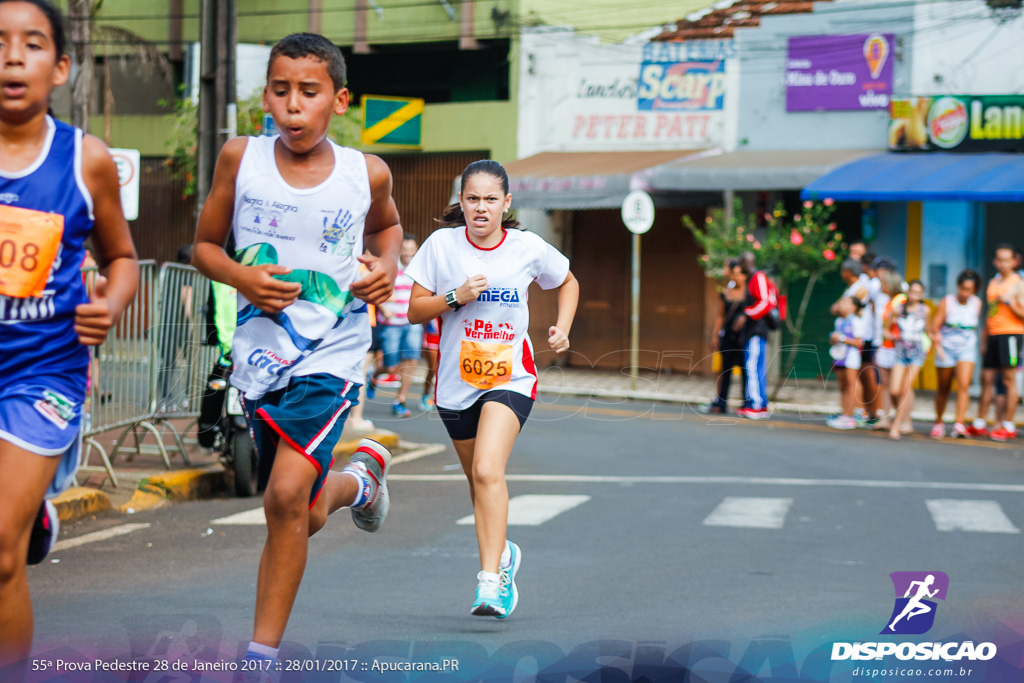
column 37, row 334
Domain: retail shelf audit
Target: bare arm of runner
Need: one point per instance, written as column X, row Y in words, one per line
column 256, row 283
column 1015, row 300
column 424, row 305
column 382, row 237
column 112, row 244
column 935, row 329
column 568, row 299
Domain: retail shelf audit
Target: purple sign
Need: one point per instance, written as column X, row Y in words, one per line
column 839, row 73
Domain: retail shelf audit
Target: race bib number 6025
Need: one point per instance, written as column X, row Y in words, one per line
column 486, row 366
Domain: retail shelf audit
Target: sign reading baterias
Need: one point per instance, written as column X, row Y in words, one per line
column 577, row 95
column 962, row 123
column 839, row 73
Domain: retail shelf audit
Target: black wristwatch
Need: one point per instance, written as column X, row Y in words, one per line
column 452, row 300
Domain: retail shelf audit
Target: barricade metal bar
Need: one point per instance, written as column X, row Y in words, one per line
column 152, row 368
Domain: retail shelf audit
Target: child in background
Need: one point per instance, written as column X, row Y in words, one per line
column 955, row 332
column 907, row 325
column 847, row 341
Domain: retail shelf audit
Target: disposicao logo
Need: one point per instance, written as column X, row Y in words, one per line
column 913, row 614
column 916, row 592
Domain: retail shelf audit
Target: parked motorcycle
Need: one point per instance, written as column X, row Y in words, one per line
column 222, row 427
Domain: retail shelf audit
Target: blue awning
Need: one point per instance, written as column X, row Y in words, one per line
column 936, row 176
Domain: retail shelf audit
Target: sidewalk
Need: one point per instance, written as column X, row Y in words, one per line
column 803, row 396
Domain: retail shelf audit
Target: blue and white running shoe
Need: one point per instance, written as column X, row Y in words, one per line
column 507, row 581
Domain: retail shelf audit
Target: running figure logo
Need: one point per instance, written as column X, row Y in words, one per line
column 914, row 612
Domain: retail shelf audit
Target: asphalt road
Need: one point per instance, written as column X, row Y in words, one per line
column 659, row 541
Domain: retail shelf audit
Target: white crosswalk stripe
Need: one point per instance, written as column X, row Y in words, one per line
column 984, row 516
column 752, row 513
column 534, row 510
column 254, row 517
column 95, row 536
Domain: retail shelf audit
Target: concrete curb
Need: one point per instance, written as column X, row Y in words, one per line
column 796, row 408
column 159, row 490
column 79, row 502
column 344, row 449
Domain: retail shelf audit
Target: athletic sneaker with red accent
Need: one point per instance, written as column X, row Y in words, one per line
column 959, row 431
column 938, row 431
column 45, row 529
column 1002, row 434
column 372, row 462
column 977, row 431
column 753, row 414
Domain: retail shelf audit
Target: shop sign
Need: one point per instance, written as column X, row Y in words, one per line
column 839, row 73
column 961, row 123
column 687, row 86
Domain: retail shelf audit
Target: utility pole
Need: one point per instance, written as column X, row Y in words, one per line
column 216, row 88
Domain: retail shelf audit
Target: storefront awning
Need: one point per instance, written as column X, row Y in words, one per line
column 924, row 176
column 583, row 180
column 752, row 171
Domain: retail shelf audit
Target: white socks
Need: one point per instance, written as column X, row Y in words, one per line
column 506, row 557
column 487, row 577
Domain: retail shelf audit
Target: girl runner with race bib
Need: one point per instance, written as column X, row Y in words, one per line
column 474, row 274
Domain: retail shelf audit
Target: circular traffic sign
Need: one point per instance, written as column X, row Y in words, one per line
column 638, row 212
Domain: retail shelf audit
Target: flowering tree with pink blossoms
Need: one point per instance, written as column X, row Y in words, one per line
column 801, row 246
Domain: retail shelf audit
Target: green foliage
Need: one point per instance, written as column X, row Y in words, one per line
column 788, row 247
column 184, row 127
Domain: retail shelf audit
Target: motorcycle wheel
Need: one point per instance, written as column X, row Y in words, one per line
column 246, row 469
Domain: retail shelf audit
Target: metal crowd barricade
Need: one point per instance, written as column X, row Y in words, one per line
column 185, row 359
column 151, row 369
column 120, row 394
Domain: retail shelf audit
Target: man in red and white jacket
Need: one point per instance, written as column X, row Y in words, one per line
column 762, row 298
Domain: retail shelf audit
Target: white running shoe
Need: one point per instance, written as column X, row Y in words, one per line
column 371, row 462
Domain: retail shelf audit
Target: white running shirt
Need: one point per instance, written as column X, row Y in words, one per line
column 318, row 232
column 484, row 344
column 866, row 313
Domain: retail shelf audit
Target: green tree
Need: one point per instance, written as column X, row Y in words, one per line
column 789, row 247
column 184, row 127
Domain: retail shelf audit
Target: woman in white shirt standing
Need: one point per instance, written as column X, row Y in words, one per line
column 474, row 274
column 955, row 332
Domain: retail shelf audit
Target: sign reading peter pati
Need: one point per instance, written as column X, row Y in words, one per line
column 837, row 73
column 961, row 123
column 625, row 97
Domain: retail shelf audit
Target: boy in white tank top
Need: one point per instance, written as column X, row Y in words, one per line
column 307, row 216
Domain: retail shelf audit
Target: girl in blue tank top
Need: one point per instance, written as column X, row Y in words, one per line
column 58, row 188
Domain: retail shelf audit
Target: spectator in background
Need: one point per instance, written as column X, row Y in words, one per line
column 761, row 300
column 907, row 324
column 846, row 347
column 858, row 287
column 727, row 340
column 857, row 250
column 431, row 345
column 400, row 341
column 885, row 357
column 871, row 378
column 955, row 333
column 1001, row 344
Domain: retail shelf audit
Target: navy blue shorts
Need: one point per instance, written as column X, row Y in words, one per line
column 309, row 414
column 462, row 424
column 42, row 414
